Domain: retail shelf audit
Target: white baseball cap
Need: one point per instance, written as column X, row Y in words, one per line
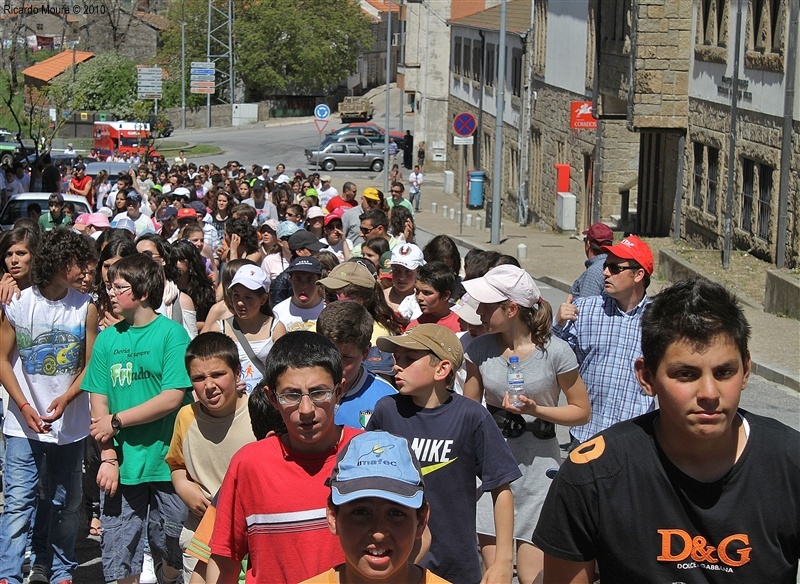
column 407, row 255
column 314, row 212
column 503, row 283
column 251, row 277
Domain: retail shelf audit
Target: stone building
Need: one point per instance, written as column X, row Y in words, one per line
column 371, row 65
column 549, row 75
column 709, row 88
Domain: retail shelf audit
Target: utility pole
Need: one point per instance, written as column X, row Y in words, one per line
column 497, row 174
column 388, row 82
column 183, row 67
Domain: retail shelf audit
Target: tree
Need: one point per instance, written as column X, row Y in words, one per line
column 105, row 83
column 298, row 46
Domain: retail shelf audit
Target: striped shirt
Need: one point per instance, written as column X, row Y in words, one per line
column 607, row 342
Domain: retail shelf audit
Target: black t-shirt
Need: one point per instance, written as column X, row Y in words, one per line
column 619, row 500
column 454, row 442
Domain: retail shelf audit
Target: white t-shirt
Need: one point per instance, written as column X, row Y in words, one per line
column 51, row 344
column 338, row 249
column 295, row 318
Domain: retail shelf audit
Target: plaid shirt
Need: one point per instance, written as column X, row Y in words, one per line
column 607, row 342
column 591, row 282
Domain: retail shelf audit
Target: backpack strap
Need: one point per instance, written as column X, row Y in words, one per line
column 246, row 346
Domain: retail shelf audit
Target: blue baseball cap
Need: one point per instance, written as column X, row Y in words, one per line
column 377, row 464
column 285, row 229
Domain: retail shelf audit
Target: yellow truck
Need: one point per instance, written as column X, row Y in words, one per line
column 356, row 109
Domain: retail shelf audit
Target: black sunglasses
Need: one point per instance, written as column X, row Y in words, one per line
column 617, row 268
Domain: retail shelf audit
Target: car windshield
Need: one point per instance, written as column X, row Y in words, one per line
column 18, row 208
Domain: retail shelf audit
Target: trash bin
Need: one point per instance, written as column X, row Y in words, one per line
column 476, row 181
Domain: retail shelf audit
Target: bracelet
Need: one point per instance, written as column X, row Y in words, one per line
column 23, row 405
column 108, row 460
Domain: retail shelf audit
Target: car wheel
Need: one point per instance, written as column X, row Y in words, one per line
column 377, row 165
column 7, row 159
column 49, row 365
column 329, row 165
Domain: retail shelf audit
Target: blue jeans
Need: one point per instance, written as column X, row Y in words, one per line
column 24, row 461
column 415, row 199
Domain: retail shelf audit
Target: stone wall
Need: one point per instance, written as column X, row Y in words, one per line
column 758, row 139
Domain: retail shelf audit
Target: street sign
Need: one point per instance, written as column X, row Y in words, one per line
column 210, row 90
column 203, row 71
column 463, row 140
column 141, row 95
column 153, row 76
column 322, row 112
column 321, row 124
column 204, row 64
column 203, row 84
column 148, row 70
column 203, row 78
column 580, row 116
column 465, row 124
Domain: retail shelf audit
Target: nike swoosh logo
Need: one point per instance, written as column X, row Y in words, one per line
column 433, row 467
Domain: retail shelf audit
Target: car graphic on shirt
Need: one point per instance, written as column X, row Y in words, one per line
column 51, row 353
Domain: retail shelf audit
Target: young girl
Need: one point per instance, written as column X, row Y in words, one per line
column 517, row 321
column 195, row 235
column 374, row 248
column 223, row 308
column 17, row 248
column 114, row 251
column 315, row 217
column 250, row 327
column 192, row 278
column 176, row 305
column 276, row 257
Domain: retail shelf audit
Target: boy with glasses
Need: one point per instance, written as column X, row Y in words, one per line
column 605, row 333
column 272, row 504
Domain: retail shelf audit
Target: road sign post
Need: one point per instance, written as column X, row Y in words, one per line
column 322, row 112
column 464, row 126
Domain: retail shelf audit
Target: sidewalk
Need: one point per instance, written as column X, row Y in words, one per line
column 557, row 259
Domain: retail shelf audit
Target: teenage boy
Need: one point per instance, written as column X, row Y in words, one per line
column 349, row 325
column 138, row 380
column 273, row 499
column 455, row 441
column 133, row 203
column 56, row 217
column 209, row 431
column 435, row 283
column 679, row 494
column 378, row 510
column 300, row 311
column 46, row 337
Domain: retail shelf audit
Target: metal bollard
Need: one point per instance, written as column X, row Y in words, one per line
column 458, row 217
column 522, row 251
column 469, row 220
column 444, row 211
column 434, row 207
column 452, row 213
column 478, row 221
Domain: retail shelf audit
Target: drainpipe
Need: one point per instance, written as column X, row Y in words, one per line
column 478, row 140
column 726, row 249
column 786, row 147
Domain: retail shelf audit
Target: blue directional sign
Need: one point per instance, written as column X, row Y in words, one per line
column 322, row 112
column 465, row 124
column 203, row 71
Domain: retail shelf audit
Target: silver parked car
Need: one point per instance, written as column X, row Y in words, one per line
column 362, row 141
column 345, row 155
column 17, row 206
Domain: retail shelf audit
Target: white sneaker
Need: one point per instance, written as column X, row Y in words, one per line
column 148, row 575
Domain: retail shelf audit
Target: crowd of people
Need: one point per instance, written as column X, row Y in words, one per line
column 242, row 373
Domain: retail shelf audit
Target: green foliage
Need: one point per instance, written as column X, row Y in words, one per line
column 106, row 83
column 298, row 46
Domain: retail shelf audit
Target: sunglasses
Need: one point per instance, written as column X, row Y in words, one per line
column 617, row 268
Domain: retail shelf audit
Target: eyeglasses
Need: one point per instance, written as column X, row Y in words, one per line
column 365, row 230
column 397, row 191
column 288, row 214
column 318, row 396
column 117, row 290
column 617, row 268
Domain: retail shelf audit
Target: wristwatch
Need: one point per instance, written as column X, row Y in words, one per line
column 115, row 423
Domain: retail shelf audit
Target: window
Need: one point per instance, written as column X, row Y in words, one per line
column 516, row 72
column 477, row 61
column 615, row 20
column 491, row 55
column 764, row 200
column 748, row 186
column 697, row 195
column 713, row 181
column 467, row 72
column 457, row 57
column 766, row 28
column 713, row 20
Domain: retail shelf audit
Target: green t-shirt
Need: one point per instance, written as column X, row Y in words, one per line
column 131, row 365
column 402, row 203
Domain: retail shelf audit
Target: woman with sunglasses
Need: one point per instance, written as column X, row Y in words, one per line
column 517, row 321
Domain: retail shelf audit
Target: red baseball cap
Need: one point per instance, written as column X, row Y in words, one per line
column 186, row 213
column 632, row 248
column 600, row 233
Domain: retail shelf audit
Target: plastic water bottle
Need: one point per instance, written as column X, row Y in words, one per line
column 516, row 382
